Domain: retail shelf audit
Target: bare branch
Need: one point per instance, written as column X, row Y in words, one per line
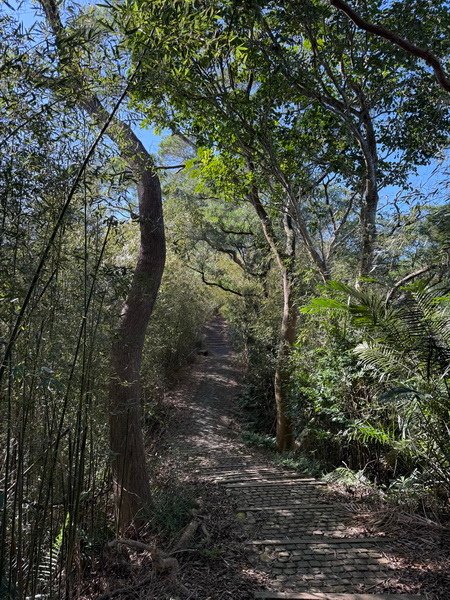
column 167, row 167
column 396, row 39
column 234, row 231
column 407, row 278
column 216, row 284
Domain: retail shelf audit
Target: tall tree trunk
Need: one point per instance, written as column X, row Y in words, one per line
column 369, row 209
column 286, row 261
column 130, row 475
column 285, row 437
column 131, row 481
column 368, row 227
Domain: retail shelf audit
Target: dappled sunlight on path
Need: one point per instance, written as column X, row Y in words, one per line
column 300, row 540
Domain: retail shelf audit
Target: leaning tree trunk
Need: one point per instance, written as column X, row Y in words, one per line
column 130, row 477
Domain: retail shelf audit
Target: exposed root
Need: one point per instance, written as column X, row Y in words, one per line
column 188, row 534
column 163, row 565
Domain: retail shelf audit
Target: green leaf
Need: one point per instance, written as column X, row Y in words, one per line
column 318, row 305
column 397, row 391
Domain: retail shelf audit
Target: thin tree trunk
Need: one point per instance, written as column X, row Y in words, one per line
column 285, row 437
column 317, row 258
column 285, row 261
column 369, row 210
column 368, row 228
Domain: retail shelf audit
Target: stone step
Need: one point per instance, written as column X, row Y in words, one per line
column 232, row 460
column 243, row 474
column 296, row 507
column 282, row 504
column 267, row 479
column 251, row 468
column 264, row 497
column 236, row 471
column 329, row 566
column 270, row 490
column 300, row 521
column 331, row 596
column 214, row 467
column 317, row 540
column 274, row 482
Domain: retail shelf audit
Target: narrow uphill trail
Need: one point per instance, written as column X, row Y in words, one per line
column 301, row 542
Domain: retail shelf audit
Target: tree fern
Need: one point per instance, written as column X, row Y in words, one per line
column 406, row 345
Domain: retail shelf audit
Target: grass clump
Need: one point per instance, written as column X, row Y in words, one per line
column 172, row 509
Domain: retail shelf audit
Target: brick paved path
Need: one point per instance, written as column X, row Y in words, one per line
column 302, row 539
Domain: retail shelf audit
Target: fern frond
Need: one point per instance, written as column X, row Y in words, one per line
column 384, row 360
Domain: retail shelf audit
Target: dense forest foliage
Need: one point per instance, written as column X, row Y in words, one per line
column 300, row 188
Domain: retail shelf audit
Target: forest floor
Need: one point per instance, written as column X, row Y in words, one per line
column 259, row 530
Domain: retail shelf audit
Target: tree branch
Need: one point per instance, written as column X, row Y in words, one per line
column 216, row 284
column 234, row 231
column 407, row 278
column 396, row 39
column 167, row 167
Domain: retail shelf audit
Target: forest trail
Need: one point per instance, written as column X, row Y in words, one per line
column 302, row 542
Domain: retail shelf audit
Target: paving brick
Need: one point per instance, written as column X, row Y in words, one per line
column 331, row 596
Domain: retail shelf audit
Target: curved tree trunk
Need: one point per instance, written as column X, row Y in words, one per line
column 129, row 469
column 130, row 476
column 131, row 481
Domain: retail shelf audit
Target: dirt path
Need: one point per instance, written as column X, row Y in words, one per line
column 291, row 537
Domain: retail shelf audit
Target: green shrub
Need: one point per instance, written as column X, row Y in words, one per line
column 384, row 393
column 259, row 440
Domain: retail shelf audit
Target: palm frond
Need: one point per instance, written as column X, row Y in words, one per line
column 385, row 361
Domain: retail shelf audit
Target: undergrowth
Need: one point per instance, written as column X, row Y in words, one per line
column 172, row 509
column 259, row 440
column 303, row 464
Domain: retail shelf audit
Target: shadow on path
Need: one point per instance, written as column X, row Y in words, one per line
column 299, row 538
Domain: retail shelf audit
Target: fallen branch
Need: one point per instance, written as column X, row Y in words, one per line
column 161, row 562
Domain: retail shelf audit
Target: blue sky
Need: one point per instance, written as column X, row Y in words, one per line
column 29, row 14
column 425, row 179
